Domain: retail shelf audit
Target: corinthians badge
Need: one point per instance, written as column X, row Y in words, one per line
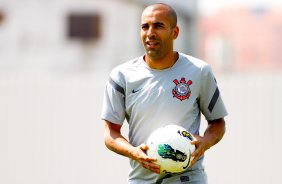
column 182, row 90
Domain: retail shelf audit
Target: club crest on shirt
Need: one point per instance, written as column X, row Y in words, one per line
column 182, row 90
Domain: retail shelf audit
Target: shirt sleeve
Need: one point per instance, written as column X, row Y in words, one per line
column 210, row 100
column 113, row 108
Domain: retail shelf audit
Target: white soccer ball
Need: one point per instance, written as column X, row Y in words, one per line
column 171, row 146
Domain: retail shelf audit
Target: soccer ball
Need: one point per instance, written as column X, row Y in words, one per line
column 171, row 146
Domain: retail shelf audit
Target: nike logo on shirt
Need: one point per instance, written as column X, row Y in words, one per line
column 136, row 90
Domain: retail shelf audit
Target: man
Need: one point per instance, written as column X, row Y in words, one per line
column 162, row 87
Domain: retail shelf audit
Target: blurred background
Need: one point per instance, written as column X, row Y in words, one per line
column 56, row 55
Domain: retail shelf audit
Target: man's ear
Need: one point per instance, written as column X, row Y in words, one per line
column 175, row 32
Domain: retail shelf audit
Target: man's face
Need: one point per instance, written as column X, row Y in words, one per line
column 157, row 32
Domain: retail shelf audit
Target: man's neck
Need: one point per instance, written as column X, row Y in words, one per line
column 161, row 63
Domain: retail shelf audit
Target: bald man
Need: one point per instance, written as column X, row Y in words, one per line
column 152, row 91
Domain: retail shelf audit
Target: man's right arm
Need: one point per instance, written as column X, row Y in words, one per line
column 117, row 143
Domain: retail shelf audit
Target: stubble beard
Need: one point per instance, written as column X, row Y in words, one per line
column 155, row 54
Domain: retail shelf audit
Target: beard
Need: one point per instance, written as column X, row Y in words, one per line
column 156, row 53
column 153, row 53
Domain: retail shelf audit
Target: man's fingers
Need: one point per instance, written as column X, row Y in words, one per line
column 191, row 162
column 146, row 161
column 143, row 147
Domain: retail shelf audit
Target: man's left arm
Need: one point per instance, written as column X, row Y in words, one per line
column 213, row 134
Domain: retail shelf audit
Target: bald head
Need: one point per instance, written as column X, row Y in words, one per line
column 166, row 9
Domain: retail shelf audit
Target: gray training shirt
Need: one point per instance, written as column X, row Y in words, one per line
column 149, row 99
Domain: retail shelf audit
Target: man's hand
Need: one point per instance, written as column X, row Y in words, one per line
column 212, row 136
column 138, row 154
column 117, row 143
column 201, row 146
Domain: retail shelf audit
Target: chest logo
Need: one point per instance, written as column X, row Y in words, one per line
column 182, row 90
